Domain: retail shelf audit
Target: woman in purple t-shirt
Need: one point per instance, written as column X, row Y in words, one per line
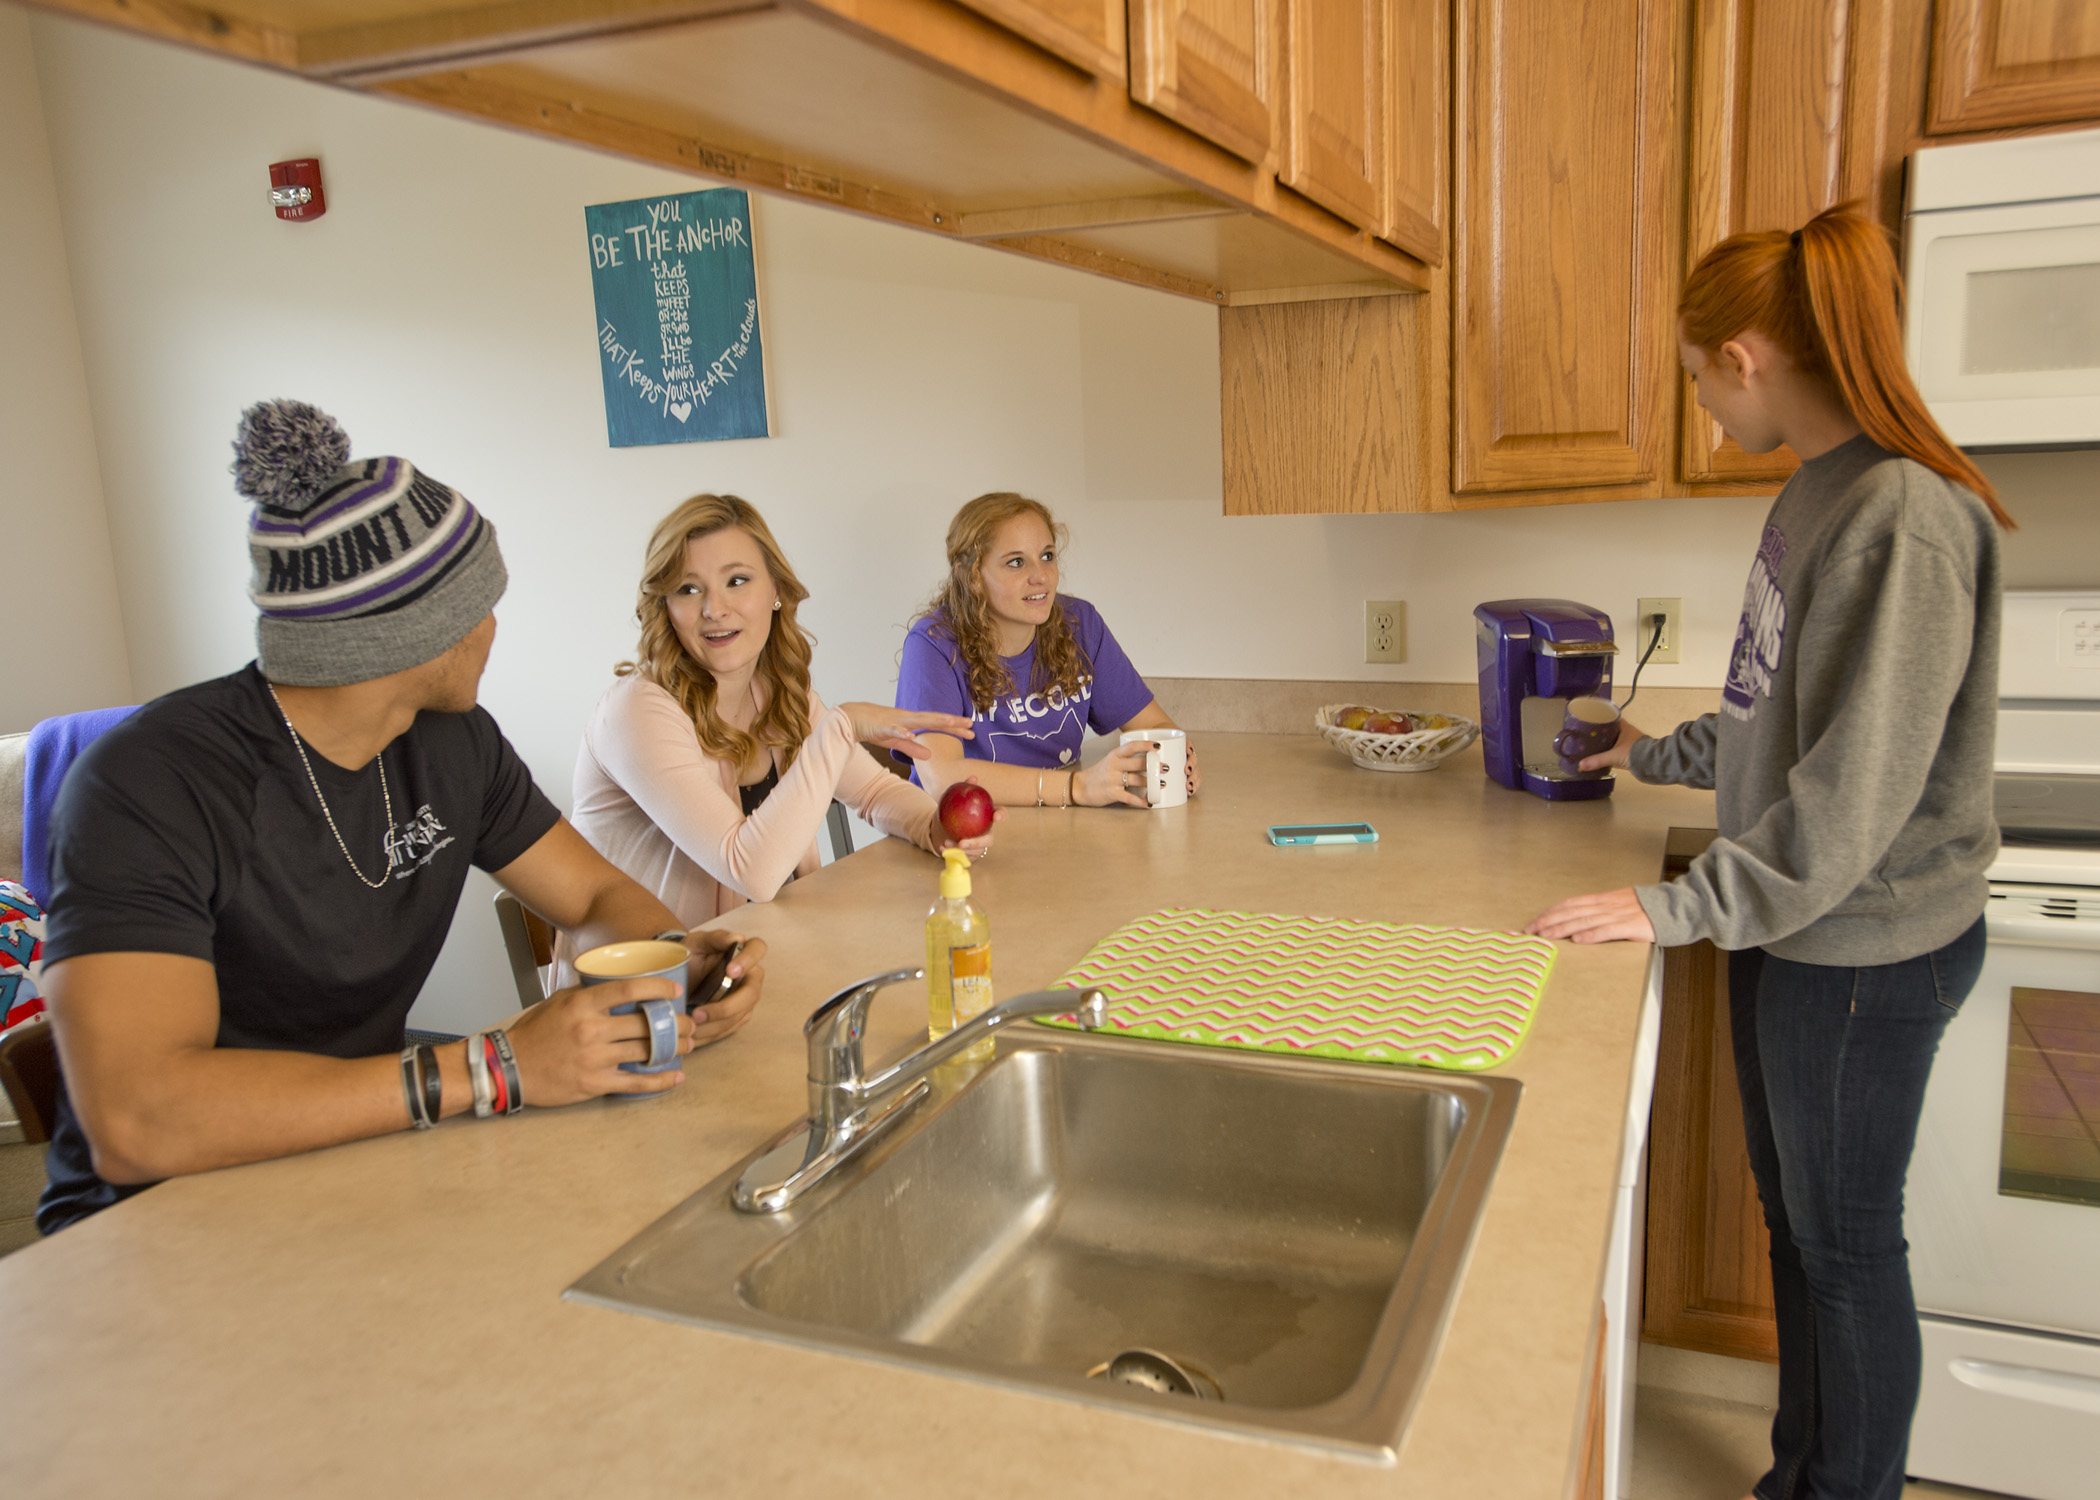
column 1032, row 670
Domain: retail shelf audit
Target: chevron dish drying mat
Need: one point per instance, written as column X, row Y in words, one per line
column 1437, row 997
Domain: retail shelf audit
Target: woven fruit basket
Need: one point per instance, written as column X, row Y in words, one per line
column 1422, row 750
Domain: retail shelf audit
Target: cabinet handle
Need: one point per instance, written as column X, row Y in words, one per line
column 2022, row 1383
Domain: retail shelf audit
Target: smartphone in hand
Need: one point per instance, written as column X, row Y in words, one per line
column 715, row 983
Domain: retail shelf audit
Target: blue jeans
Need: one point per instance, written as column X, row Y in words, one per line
column 1832, row 1064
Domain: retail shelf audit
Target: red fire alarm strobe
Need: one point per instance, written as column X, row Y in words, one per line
column 295, row 189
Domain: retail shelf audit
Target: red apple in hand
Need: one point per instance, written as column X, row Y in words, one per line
column 966, row 811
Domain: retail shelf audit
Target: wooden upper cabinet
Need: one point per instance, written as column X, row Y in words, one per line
column 1086, row 33
column 1325, row 405
column 1418, row 125
column 2000, row 63
column 1564, row 225
column 1787, row 119
column 1211, row 66
column 1334, row 151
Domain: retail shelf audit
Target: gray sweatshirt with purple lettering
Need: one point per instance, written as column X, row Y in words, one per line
column 1851, row 759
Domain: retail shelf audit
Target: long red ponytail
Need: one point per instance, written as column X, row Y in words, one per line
column 1828, row 295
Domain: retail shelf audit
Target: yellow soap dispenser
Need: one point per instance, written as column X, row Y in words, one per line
column 958, row 955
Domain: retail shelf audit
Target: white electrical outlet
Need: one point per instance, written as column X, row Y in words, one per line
column 1385, row 630
column 1672, row 612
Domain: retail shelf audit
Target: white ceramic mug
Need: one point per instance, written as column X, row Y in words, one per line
column 1167, row 768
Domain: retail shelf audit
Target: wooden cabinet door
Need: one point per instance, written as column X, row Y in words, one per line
column 1709, row 1265
column 1787, row 120
column 1999, row 63
column 1564, row 225
column 1418, row 125
column 1325, row 406
column 1210, row 65
column 1086, row 33
column 1335, row 141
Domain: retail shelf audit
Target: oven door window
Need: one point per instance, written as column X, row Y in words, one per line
column 2051, row 1143
column 2002, row 1209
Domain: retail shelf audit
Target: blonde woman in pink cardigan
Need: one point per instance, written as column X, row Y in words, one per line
column 709, row 764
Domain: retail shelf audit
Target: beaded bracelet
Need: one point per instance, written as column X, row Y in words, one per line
column 409, row 1090
column 478, row 1075
column 507, row 1062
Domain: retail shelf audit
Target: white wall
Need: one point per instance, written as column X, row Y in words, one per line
column 65, row 632
column 442, row 310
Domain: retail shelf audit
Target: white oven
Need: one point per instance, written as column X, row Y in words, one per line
column 2002, row 273
column 2003, row 1202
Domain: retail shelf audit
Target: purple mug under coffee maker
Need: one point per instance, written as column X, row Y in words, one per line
column 1537, row 656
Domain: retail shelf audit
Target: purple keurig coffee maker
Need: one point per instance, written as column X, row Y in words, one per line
column 1537, row 657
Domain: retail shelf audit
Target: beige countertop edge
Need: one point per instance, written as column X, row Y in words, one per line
column 385, row 1317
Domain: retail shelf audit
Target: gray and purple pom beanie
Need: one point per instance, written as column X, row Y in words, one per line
column 361, row 569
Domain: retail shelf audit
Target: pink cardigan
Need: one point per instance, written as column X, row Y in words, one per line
column 652, row 801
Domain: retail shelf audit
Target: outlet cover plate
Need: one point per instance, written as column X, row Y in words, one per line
column 1672, row 611
column 1385, row 630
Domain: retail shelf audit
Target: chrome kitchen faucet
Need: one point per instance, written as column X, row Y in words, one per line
column 847, row 1109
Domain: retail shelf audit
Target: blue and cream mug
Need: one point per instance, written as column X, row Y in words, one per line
column 654, row 958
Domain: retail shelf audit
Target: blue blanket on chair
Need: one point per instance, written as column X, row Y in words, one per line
column 54, row 745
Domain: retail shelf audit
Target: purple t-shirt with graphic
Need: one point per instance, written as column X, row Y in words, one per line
column 1025, row 728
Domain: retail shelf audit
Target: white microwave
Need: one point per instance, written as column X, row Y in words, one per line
column 2002, row 267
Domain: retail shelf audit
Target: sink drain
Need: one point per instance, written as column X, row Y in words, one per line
column 1149, row 1370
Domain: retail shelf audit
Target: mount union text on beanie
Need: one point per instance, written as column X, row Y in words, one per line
column 360, row 569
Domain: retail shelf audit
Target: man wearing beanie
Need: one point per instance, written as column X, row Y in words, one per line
column 252, row 877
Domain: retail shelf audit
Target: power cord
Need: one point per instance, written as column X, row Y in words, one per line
column 1653, row 641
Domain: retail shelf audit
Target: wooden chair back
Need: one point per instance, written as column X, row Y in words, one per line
column 529, row 944
column 29, row 1073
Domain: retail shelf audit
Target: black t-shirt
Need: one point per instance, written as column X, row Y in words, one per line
column 192, row 828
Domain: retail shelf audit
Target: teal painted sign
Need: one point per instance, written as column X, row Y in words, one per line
column 678, row 335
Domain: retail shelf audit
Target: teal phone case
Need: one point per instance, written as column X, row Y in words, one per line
column 1319, row 833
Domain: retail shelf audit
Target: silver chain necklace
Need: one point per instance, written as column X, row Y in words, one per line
column 311, row 780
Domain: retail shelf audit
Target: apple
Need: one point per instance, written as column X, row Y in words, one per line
column 966, row 811
column 1353, row 717
column 1388, row 724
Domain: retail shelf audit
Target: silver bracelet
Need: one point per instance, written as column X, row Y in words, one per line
column 478, row 1071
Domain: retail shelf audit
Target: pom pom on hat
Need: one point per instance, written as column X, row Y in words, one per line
column 286, row 452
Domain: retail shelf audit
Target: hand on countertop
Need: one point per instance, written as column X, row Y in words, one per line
column 1600, row 917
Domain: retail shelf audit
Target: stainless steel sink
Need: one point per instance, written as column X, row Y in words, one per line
column 1293, row 1230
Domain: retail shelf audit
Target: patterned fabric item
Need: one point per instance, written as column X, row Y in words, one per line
column 21, row 955
column 1436, row 997
column 360, row 569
